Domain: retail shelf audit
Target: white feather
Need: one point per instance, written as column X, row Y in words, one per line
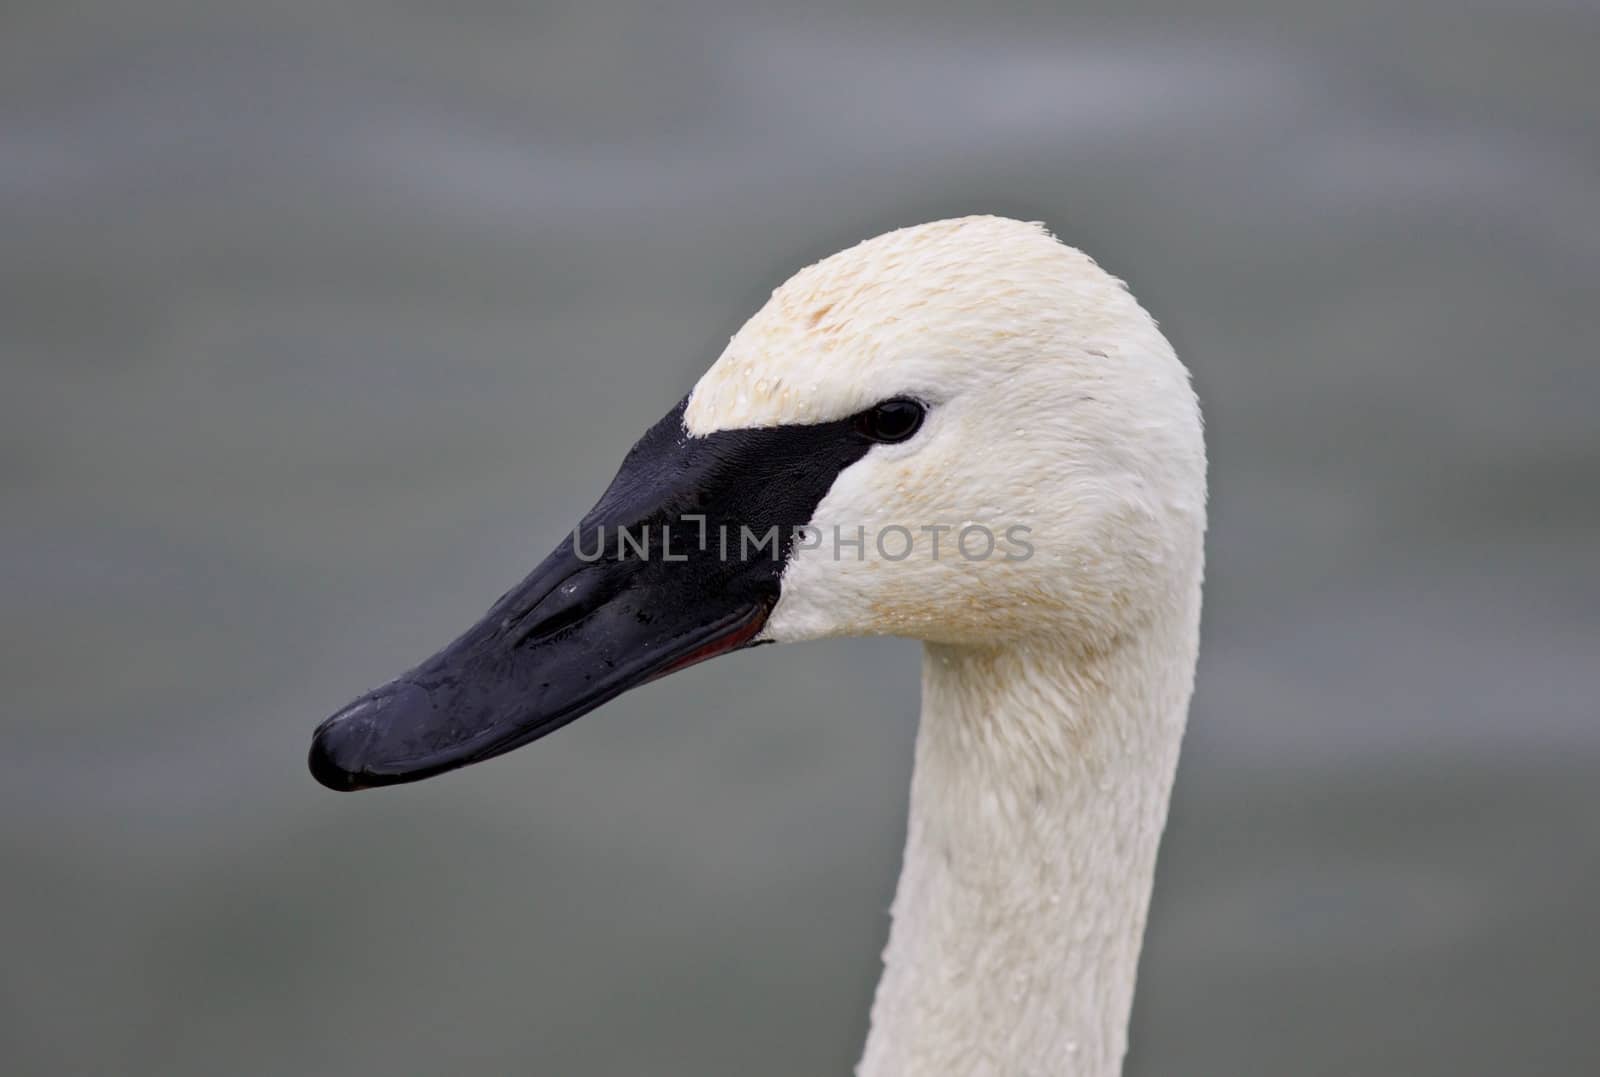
column 1055, row 687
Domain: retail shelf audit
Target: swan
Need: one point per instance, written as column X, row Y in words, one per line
column 964, row 432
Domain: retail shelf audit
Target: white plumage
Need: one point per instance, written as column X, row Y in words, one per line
column 1055, row 687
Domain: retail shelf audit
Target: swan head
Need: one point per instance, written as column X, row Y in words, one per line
column 1056, row 484
column 964, row 432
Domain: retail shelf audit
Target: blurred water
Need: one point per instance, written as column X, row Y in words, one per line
column 322, row 322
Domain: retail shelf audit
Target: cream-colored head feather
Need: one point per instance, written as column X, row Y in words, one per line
column 1055, row 407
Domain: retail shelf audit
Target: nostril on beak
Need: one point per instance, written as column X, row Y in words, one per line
column 569, row 602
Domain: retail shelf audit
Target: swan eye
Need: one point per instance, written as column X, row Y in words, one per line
column 891, row 421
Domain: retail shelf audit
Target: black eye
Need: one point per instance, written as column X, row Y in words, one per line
column 891, row 421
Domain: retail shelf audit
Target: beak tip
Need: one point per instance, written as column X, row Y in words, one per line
column 326, row 762
column 341, row 745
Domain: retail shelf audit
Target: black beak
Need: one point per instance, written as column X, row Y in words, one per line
column 680, row 561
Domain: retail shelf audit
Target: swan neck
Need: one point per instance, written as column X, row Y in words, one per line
column 1038, row 798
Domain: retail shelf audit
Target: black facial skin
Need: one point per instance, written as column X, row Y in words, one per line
column 575, row 634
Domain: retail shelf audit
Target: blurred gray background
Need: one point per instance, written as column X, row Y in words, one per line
column 322, row 321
